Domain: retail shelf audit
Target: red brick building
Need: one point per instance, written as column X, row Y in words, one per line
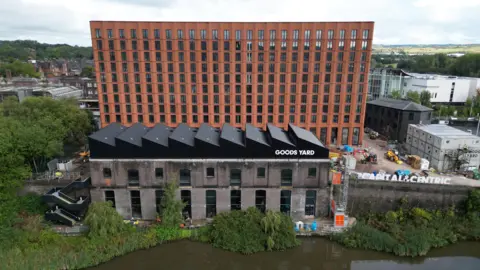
column 312, row 74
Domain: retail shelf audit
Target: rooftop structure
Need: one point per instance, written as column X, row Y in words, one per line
column 139, row 141
column 445, row 131
column 58, row 92
column 399, row 104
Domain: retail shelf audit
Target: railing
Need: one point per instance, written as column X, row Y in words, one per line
column 51, row 177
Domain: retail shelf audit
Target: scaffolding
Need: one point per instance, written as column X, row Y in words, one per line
column 456, row 159
column 339, row 196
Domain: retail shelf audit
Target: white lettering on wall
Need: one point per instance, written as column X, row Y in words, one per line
column 294, row 152
column 401, row 178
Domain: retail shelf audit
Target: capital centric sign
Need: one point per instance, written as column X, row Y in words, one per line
column 408, row 179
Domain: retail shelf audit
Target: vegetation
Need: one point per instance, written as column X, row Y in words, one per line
column 427, row 49
column 28, row 49
column 171, row 208
column 18, row 68
column 251, row 231
column 413, row 232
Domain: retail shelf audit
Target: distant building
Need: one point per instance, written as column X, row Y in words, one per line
column 391, row 117
column 443, row 89
column 447, row 148
column 56, row 92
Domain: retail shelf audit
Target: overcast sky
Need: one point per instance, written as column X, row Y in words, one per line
column 396, row 21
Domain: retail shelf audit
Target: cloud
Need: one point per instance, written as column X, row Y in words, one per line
column 396, row 21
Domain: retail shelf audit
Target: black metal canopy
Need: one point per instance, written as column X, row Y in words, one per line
column 161, row 142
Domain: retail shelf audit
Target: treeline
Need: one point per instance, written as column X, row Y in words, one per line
column 29, row 49
column 467, row 65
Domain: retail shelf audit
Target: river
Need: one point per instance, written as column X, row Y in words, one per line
column 313, row 254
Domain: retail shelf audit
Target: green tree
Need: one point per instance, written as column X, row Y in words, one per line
column 19, row 68
column 103, row 220
column 396, row 94
column 413, row 96
column 271, row 225
column 87, row 72
column 425, row 97
column 171, row 207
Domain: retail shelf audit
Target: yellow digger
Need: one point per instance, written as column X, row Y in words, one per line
column 392, row 155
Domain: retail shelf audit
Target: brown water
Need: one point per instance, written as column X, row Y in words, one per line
column 313, row 254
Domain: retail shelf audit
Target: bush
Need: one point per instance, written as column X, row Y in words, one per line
column 414, row 232
column 251, row 231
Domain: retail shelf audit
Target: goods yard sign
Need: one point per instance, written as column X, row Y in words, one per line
column 403, row 178
column 294, row 152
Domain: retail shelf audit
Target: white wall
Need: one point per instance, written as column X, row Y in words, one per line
column 440, row 88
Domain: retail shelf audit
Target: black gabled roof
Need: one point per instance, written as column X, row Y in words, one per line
column 256, row 134
column 159, row 134
column 279, row 134
column 108, row 134
column 233, row 135
column 208, row 134
column 184, row 134
column 115, row 142
column 304, row 135
column 133, row 134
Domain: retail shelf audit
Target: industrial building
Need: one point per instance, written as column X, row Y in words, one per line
column 391, row 117
column 447, row 148
column 311, row 74
column 383, row 81
column 217, row 169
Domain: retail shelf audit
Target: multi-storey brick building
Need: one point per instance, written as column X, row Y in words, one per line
column 313, row 74
column 217, row 169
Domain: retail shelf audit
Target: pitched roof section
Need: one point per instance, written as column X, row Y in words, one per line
column 159, row 134
column 184, row 134
column 108, row 134
column 232, row 135
column 205, row 142
column 304, row 135
column 279, row 134
column 208, row 134
column 399, row 104
column 133, row 134
column 255, row 134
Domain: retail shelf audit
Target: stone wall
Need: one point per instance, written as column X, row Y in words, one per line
column 381, row 196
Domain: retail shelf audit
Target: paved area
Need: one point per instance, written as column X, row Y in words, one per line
column 379, row 147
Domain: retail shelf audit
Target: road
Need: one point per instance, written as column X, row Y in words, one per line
column 379, row 147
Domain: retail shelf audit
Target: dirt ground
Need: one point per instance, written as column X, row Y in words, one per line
column 379, row 147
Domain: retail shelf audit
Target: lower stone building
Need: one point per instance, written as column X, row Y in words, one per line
column 217, row 169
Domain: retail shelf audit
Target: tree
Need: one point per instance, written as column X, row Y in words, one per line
column 87, row 72
column 425, row 97
column 396, row 94
column 103, row 220
column 171, row 207
column 19, row 68
column 413, row 96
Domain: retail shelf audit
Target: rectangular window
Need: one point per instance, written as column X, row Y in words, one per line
column 235, row 200
column 186, row 197
column 261, row 172
column 185, row 178
column 159, row 173
column 158, row 200
column 310, row 202
column 210, row 172
column 345, row 136
column 211, row 203
column 261, row 200
column 285, row 201
column 136, row 204
column 312, row 172
column 235, row 177
column 133, row 178
column 286, row 177
column 110, row 197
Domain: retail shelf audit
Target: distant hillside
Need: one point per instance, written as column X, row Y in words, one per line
column 29, row 49
column 427, row 49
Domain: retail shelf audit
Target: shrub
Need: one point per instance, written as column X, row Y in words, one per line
column 103, row 220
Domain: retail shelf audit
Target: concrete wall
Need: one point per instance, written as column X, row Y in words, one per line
column 381, row 196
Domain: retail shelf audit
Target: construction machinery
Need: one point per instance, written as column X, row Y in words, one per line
column 369, row 158
column 373, row 135
column 392, row 155
column 84, row 155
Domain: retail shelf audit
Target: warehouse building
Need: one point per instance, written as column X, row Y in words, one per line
column 447, row 148
column 217, row 169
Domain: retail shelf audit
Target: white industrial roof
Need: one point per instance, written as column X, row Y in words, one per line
column 61, row 92
column 444, row 131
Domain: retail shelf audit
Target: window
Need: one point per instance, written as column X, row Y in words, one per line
column 344, row 136
column 286, row 177
column 261, row 200
column 410, row 116
column 159, row 173
column 136, row 203
column 107, row 173
column 210, row 172
column 285, row 201
column 235, row 177
column 211, row 203
column 185, row 179
column 261, row 172
column 186, row 197
column 235, row 200
column 133, row 178
column 312, row 172
column 310, row 202
column 158, row 200
column 110, row 197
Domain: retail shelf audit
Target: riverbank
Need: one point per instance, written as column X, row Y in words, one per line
column 414, row 231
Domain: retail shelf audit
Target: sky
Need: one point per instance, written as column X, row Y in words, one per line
column 396, row 21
